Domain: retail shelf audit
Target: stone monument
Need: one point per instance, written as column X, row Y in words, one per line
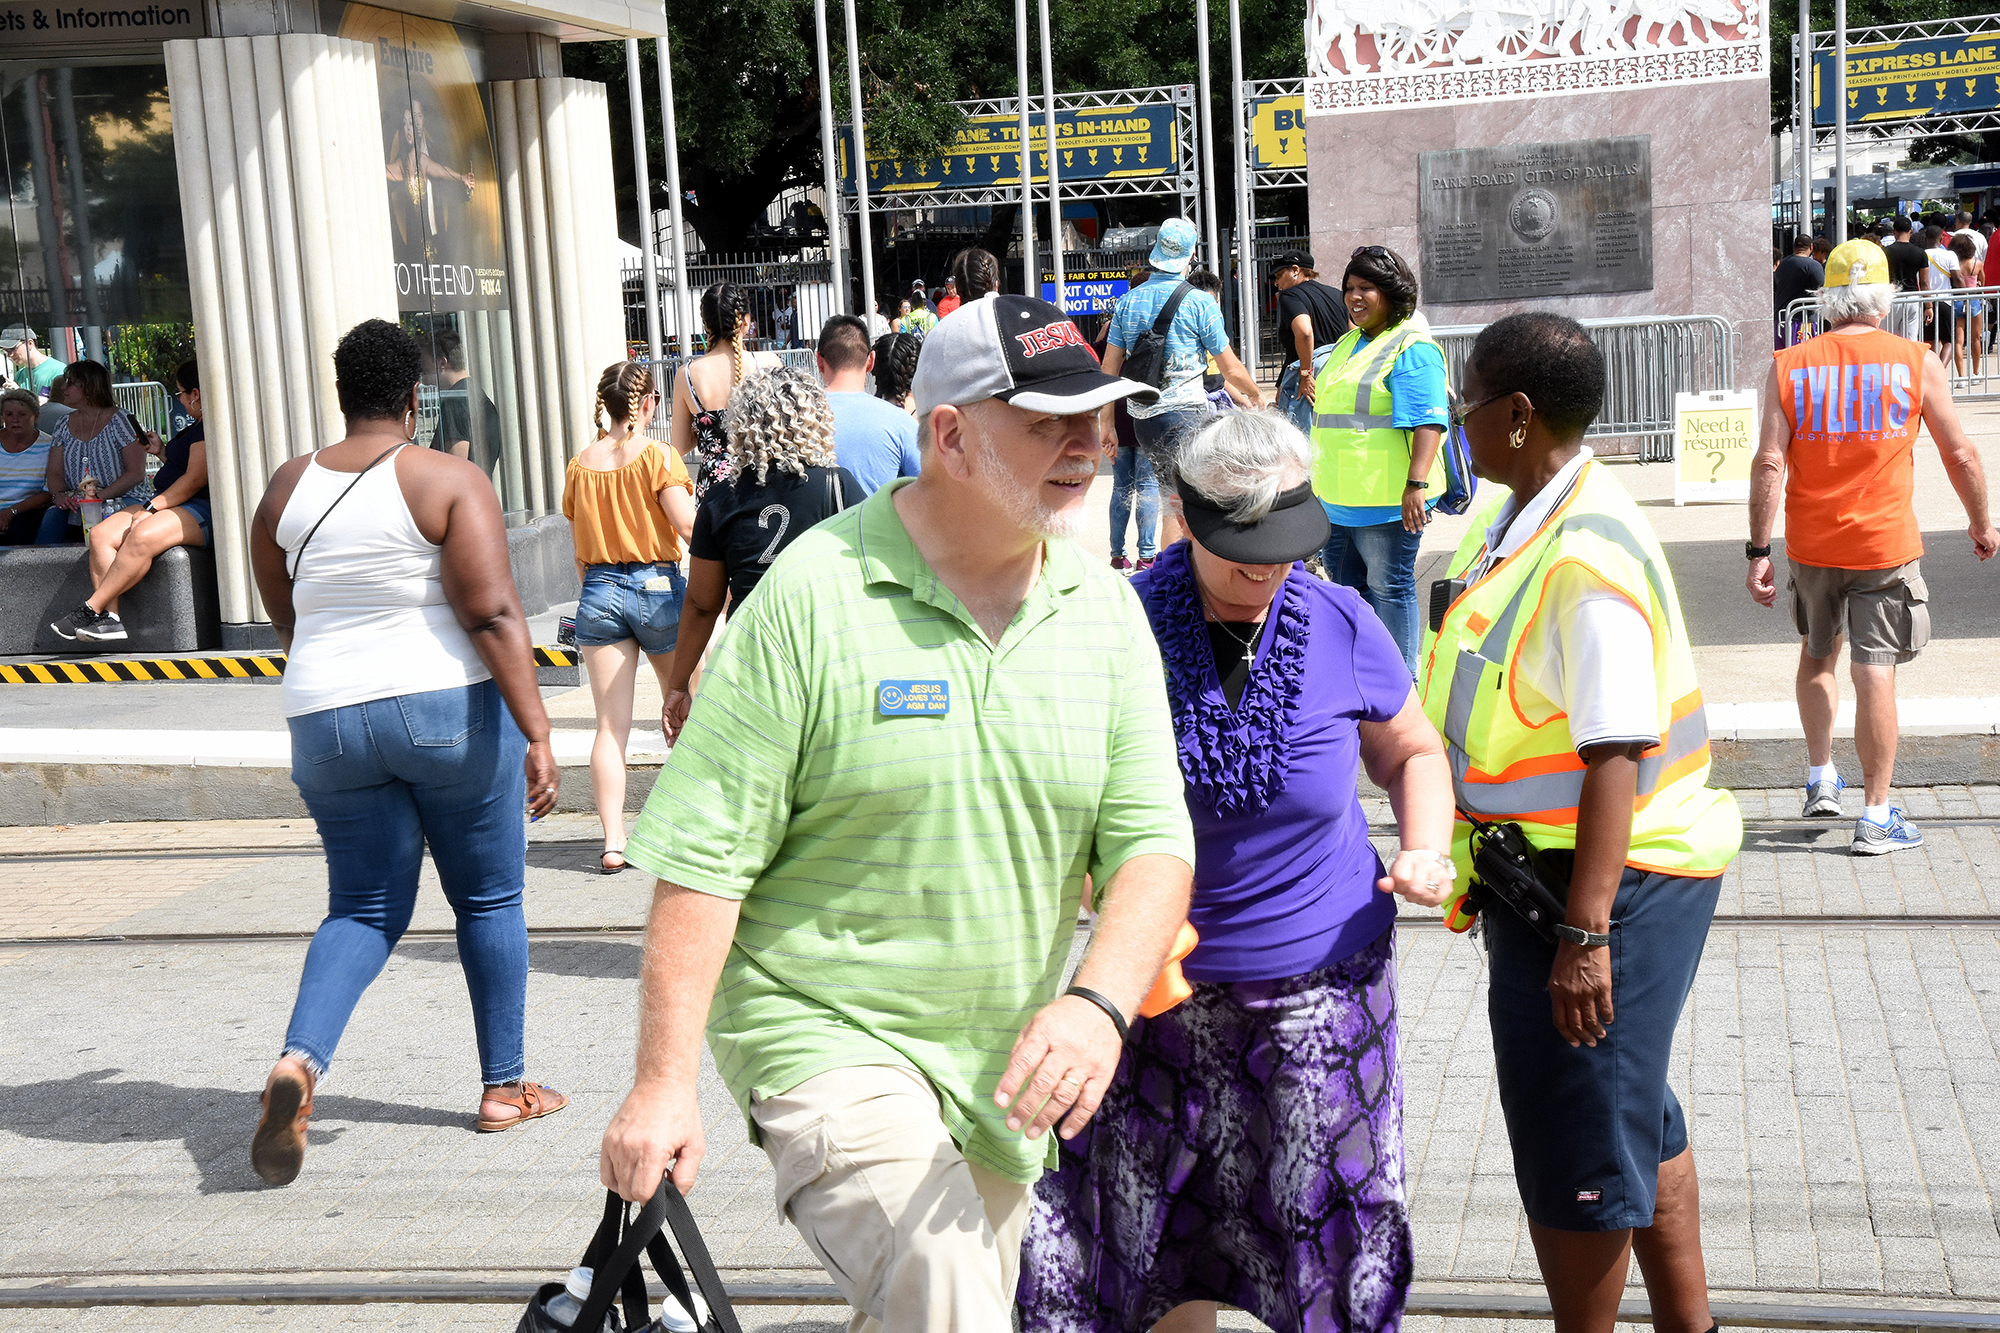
column 1599, row 158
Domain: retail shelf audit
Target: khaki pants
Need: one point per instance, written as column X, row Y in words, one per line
column 918, row 1239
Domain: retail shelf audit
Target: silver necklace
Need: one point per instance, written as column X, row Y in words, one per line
column 1249, row 645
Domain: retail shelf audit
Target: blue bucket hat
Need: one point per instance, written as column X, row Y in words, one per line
column 1174, row 249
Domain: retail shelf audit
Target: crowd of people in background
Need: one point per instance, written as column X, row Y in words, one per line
column 1935, row 252
column 910, row 721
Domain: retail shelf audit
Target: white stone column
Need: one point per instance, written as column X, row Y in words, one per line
column 270, row 134
column 554, row 141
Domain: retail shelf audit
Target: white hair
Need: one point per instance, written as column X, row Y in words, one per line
column 1846, row 305
column 1242, row 461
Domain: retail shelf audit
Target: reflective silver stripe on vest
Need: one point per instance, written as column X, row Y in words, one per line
column 1549, row 791
column 1353, row 420
column 1382, row 353
column 1562, row 791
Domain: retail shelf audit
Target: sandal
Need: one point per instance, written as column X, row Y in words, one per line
column 279, row 1148
column 535, row 1100
column 604, row 866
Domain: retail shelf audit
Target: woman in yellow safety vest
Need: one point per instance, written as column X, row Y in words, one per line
column 1562, row 682
column 1379, row 407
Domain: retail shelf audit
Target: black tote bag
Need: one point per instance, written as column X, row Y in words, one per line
column 613, row 1258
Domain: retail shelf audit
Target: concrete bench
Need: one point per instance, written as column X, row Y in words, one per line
column 173, row 610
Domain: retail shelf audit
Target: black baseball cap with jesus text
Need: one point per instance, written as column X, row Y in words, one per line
column 1020, row 350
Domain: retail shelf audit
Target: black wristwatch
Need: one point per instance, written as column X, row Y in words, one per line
column 1756, row 552
column 1416, row 485
column 1578, row 935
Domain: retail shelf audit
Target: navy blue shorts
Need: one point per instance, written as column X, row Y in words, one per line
column 616, row 604
column 1591, row 1125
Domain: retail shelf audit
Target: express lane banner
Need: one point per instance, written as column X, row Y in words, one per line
column 1101, row 143
column 1899, row 81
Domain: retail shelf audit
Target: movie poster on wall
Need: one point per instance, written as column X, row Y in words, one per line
column 444, row 192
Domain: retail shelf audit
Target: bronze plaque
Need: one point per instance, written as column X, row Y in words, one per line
column 1539, row 219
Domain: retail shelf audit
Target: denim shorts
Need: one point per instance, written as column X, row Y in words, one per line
column 1590, row 1125
column 198, row 509
column 616, row 605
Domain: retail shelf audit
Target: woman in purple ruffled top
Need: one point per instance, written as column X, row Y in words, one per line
column 1250, row 1149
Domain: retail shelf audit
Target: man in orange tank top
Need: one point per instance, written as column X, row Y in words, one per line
column 1841, row 413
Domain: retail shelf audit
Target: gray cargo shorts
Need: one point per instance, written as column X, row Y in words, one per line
column 1884, row 613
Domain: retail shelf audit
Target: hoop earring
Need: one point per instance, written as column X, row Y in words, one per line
column 1518, row 438
column 410, row 423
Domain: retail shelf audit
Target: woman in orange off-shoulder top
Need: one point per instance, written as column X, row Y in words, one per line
column 630, row 503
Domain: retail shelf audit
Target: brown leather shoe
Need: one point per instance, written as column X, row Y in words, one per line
column 535, row 1100
column 279, row 1149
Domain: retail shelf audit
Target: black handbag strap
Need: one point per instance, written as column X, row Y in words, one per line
column 620, row 1272
column 1165, row 319
column 299, row 554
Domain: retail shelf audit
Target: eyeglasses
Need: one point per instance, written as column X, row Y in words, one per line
column 1459, row 413
column 1370, row 252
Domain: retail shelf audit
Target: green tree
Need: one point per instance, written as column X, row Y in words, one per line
column 747, row 97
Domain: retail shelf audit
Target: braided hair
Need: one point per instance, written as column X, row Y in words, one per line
column 896, row 365
column 621, row 390
column 723, row 307
column 976, row 272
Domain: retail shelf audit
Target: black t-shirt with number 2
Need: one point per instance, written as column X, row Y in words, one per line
column 745, row 525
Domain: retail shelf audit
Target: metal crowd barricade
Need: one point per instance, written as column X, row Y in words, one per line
column 1647, row 361
column 772, row 284
column 150, row 402
column 1958, row 324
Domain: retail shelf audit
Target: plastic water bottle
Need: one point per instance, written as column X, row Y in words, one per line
column 674, row 1317
column 567, row 1304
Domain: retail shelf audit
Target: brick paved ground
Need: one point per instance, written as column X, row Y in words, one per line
column 1841, row 1080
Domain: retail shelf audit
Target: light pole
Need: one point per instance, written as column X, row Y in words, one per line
column 1029, row 273
column 1055, row 185
column 836, row 230
column 1207, row 161
column 1802, row 148
column 642, row 179
column 1246, row 225
column 868, row 296
column 1838, row 233
column 684, row 300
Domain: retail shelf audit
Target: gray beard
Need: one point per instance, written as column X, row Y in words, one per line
column 1021, row 502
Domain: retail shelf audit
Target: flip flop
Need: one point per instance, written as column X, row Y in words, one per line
column 604, row 866
column 535, row 1100
column 279, row 1148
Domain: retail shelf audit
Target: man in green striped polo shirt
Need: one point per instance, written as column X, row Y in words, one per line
column 932, row 720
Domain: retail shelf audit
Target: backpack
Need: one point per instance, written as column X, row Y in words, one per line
column 1146, row 362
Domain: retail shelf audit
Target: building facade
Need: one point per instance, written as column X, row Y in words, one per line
column 276, row 173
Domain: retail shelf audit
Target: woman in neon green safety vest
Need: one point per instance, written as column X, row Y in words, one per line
column 1562, row 682
column 1379, row 407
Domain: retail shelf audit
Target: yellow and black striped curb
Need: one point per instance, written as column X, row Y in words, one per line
column 158, row 670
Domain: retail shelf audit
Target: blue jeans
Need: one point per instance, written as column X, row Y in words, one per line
column 1161, row 437
column 615, row 605
column 1380, row 563
column 1132, row 472
column 381, row 779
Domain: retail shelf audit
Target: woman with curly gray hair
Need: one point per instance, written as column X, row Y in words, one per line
column 783, row 478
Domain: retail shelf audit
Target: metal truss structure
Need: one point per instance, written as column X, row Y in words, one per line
column 1977, row 122
column 1186, row 182
column 1275, row 178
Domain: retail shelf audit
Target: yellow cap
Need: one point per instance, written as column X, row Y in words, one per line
column 1857, row 264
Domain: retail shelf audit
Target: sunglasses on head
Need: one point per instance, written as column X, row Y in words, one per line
column 1370, row 252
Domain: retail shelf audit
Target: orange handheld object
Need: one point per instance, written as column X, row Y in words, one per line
column 1172, row 987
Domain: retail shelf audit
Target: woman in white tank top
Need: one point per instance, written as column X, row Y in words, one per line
column 410, row 692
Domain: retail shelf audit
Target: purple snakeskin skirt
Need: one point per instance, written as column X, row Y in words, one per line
column 1249, row 1151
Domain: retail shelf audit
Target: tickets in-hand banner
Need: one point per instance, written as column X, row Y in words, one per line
column 1101, row 143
